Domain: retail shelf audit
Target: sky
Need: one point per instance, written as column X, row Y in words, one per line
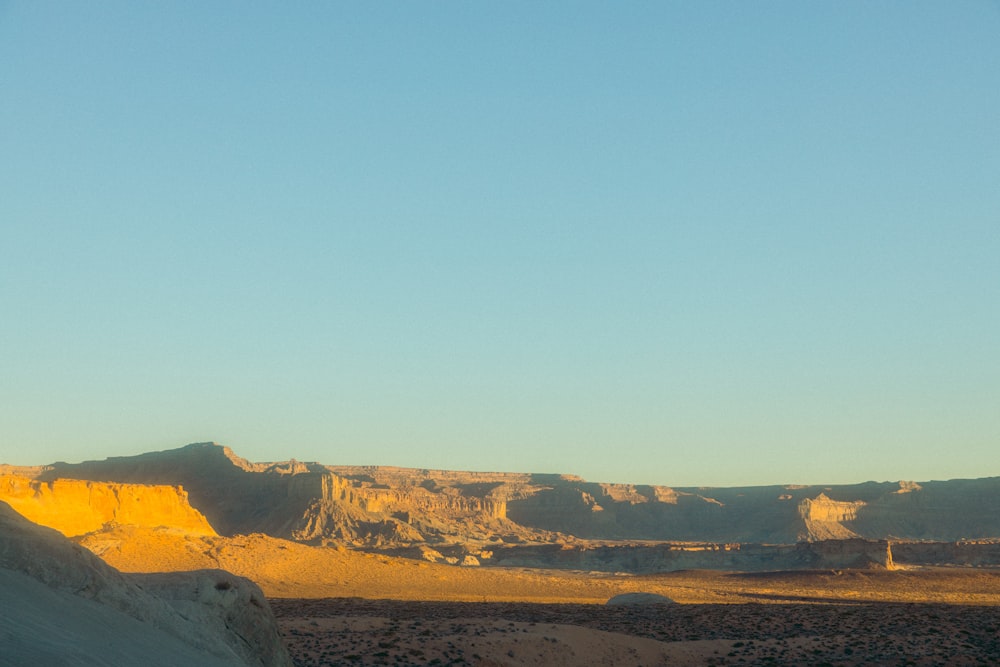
column 680, row 243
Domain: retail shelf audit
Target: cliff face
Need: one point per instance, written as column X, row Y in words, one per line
column 376, row 509
column 965, row 553
column 234, row 495
column 824, row 519
column 385, row 506
column 74, row 507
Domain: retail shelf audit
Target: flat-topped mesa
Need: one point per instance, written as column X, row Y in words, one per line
column 75, row 507
column 822, row 508
column 824, row 518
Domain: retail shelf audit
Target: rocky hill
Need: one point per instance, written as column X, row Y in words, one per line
column 394, row 507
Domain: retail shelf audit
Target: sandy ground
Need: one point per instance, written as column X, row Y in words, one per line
column 286, row 569
column 366, row 632
column 341, row 607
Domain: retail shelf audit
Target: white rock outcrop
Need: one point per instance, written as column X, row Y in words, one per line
column 61, row 605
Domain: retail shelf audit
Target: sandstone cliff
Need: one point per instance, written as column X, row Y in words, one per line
column 234, row 495
column 824, row 519
column 75, row 507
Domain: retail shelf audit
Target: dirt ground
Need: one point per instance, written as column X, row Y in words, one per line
column 286, row 569
column 347, row 631
column 943, row 616
column 340, row 607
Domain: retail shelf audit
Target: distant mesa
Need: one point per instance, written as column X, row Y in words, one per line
column 516, row 518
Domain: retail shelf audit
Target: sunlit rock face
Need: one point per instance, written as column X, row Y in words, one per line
column 75, row 507
column 826, row 519
column 63, row 605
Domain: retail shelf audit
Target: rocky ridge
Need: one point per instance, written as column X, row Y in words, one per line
column 388, row 506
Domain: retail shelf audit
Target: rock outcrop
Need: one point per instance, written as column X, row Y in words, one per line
column 824, row 519
column 74, row 507
column 63, row 606
column 227, row 606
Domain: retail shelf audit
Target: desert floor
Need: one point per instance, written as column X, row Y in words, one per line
column 929, row 617
column 336, row 606
column 344, row 631
column 289, row 570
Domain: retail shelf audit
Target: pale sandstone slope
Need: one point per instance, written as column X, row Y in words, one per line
column 63, row 605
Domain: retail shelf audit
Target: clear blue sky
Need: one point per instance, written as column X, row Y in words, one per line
column 687, row 243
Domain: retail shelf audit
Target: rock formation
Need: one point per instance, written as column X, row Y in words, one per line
column 74, row 507
column 227, row 606
column 824, row 519
column 388, row 507
column 63, row 605
column 966, row 553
